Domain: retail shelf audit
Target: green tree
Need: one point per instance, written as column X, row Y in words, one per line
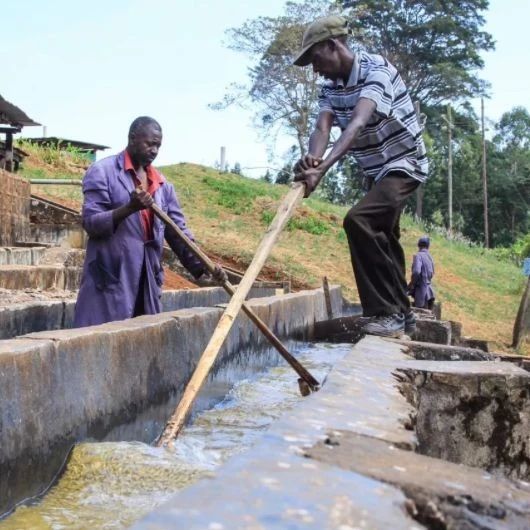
column 268, row 177
column 513, row 129
column 435, row 45
column 284, row 175
column 282, row 97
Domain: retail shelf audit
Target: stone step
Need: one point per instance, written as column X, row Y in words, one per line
column 46, row 278
column 442, row 352
column 21, row 255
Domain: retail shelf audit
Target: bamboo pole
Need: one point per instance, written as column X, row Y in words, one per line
column 304, row 375
column 285, row 211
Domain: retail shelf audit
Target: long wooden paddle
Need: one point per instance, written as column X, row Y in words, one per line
column 285, row 211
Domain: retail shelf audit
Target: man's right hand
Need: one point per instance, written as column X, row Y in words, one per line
column 140, row 200
column 306, row 162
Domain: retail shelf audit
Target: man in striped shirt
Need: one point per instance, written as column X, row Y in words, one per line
column 367, row 99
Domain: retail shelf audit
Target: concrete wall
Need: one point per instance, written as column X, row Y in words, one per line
column 61, row 387
column 44, row 277
column 71, row 236
column 21, row 255
column 19, row 319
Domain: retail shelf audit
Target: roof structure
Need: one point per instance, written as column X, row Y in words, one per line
column 12, row 115
column 65, row 142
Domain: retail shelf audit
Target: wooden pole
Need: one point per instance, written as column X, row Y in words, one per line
column 520, row 328
column 450, row 169
column 327, row 297
column 419, row 190
column 484, row 180
column 222, row 162
column 230, row 289
column 9, row 152
column 177, row 420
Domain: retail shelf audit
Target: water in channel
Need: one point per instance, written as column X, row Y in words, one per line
column 109, row 485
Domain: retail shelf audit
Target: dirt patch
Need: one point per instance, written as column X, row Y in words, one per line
column 173, row 280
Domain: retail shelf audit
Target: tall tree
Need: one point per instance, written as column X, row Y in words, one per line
column 435, row 45
column 282, row 97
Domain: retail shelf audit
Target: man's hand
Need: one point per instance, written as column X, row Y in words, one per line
column 306, row 162
column 310, row 177
column 219, row 275
column 140, row 200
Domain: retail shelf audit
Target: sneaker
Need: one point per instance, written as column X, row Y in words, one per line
column 410, row 323
column 387, row 326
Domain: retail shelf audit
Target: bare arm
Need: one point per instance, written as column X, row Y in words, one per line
column 318, row 141
column 312, row 175
column 360, row 117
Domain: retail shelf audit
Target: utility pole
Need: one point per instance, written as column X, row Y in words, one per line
column 223, row 159
column 484, row 180
column 419, row 190
column 449, row 122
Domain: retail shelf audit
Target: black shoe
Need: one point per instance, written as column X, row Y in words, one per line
column 387, row 326
column 410, row 323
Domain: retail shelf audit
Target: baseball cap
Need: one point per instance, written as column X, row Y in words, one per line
column 424, row 241
column 320, row 30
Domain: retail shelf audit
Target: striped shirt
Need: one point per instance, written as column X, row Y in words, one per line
column 392, row 137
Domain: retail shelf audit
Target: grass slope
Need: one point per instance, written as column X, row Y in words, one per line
column 229, row 213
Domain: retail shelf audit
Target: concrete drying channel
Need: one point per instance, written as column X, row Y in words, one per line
column 60, row 387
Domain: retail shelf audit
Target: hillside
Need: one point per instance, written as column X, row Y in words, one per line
column 229, row 213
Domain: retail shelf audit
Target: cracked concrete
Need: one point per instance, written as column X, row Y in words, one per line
column 475, row 413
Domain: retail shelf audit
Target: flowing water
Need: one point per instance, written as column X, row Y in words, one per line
column 109, row 485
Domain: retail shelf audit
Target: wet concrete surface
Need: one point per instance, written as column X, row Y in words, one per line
column 359, row 427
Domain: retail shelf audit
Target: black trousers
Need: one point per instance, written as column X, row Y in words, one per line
column 372, row 228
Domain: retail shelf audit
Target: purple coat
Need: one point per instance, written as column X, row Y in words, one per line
column 422, row 273
column 115, row 256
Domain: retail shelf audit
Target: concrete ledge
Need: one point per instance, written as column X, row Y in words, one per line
column 72, row 236
column 28, row 318
column 44, row 315
column 21, row 255
column 426, row 351
column 344, row 459
column 435, row 331
column 46, row 278
column 61, row 387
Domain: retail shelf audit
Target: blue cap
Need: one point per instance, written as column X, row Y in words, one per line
column 424, row 241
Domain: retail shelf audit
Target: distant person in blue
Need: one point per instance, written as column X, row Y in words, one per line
column 420, row 287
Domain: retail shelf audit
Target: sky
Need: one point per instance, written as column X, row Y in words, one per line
column 87, row 69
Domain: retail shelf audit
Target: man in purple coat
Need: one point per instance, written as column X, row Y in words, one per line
column 123, row 274
column 422, row 272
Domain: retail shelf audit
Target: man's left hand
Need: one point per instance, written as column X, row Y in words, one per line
column 219, row 275
column 310, row 177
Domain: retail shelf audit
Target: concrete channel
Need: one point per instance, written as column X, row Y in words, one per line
column 429, row 433
column 60, row 387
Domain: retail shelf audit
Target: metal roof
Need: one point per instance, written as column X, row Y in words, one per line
column 12, row 115
column 55, row 141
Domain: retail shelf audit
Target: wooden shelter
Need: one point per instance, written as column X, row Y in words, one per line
column 12, row 120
